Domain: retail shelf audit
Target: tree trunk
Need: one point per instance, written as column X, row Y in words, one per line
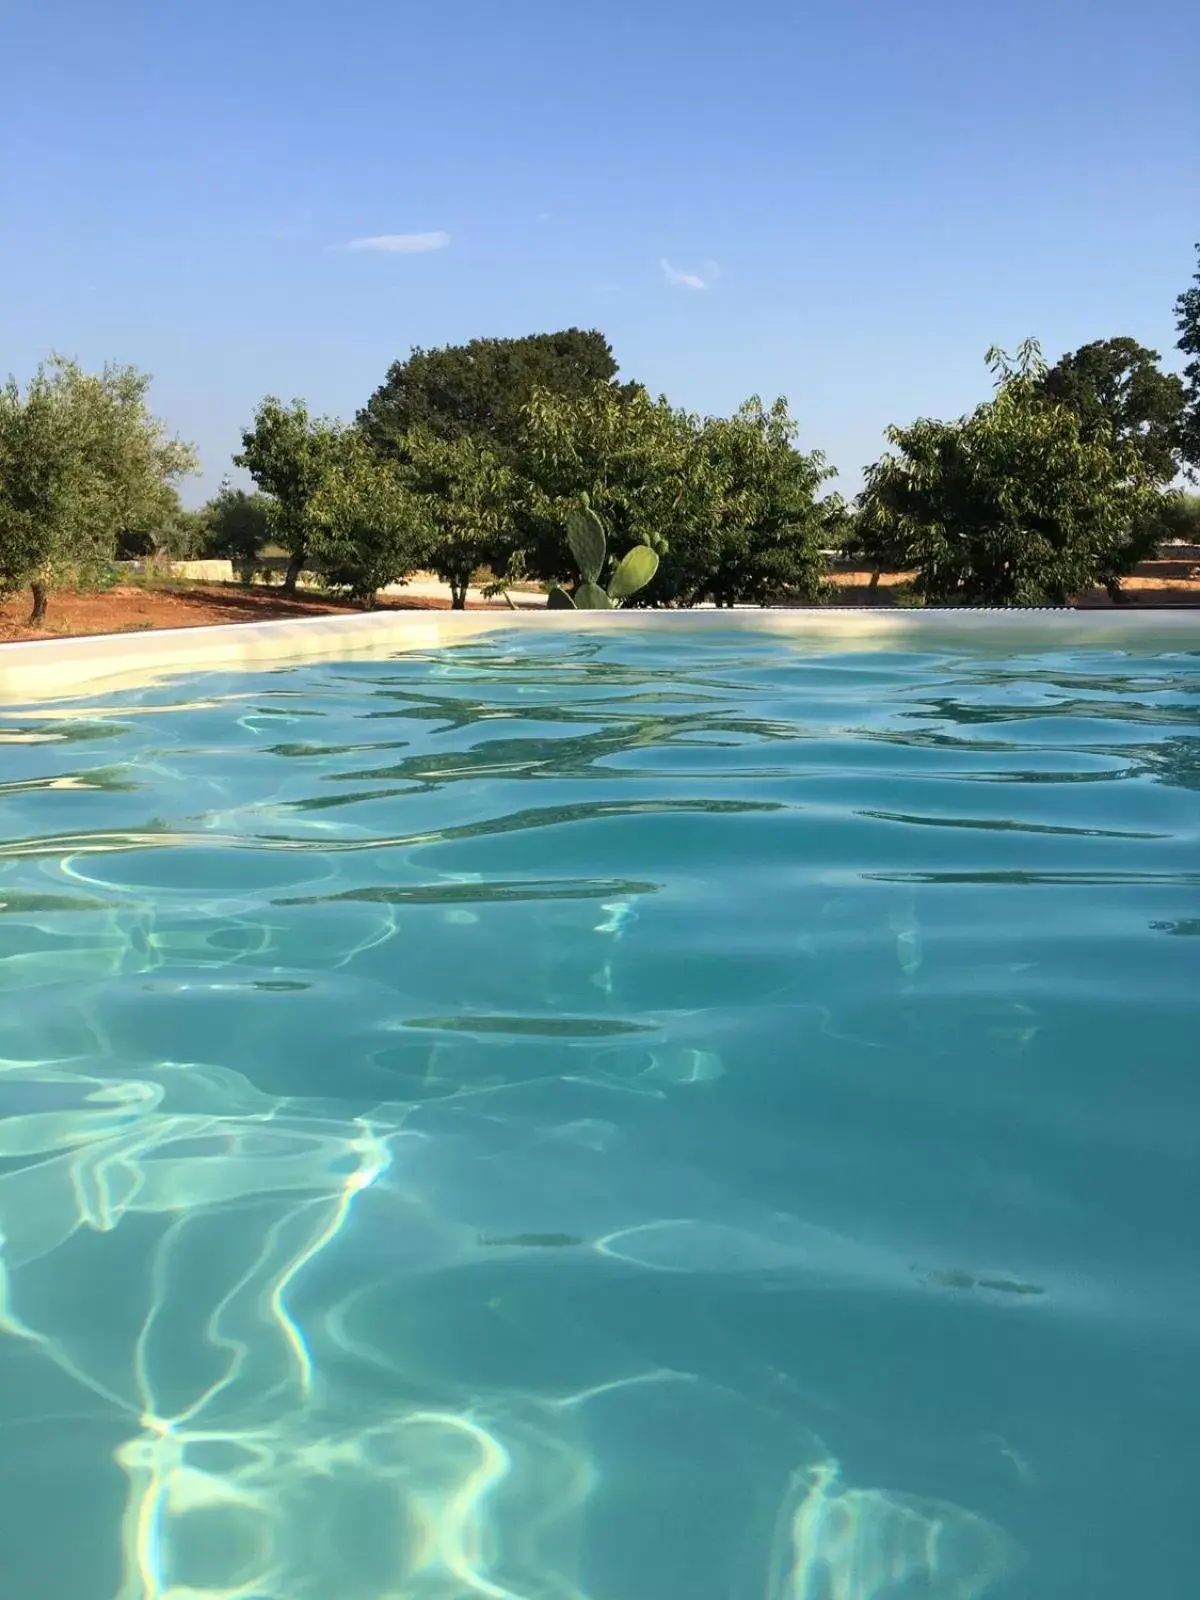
column 1115, row 592
column 458, row 593
column 294, row 569
column 41, row 597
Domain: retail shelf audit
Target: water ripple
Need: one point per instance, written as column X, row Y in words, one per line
column 603, row 1118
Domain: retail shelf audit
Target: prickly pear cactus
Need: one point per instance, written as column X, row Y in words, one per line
column 589, row 545
column 585, row 535
column 634, row 572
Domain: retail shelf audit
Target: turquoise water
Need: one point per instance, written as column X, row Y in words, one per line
column 604, row 1118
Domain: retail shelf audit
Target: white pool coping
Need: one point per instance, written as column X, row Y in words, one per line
column 64, row 668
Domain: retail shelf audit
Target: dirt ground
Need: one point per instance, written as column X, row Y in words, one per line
column 128, row 609
column 1154, row 583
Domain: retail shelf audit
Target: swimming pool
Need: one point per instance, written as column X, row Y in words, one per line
column 606, row 1115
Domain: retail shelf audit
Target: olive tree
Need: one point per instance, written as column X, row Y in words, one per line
column 83, row 462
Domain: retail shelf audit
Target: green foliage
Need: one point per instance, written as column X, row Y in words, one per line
column 729, row 504
column 366, row 529
column 453, row 419
column 1118, row 393
column 479, row 389
column 288, row 454
column 177, row 533
column 232, row 526
column 236, row 527
column 1187, row 322
column 83, row 463
column 43, row 484
column 181, row 538
column 135, row 464
column 467, row 497
column 630, row 459
column 478, row 456
column 1009, row 506
column 1179, row 519
column 763, row 531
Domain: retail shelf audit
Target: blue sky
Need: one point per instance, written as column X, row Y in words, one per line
column 870, row 193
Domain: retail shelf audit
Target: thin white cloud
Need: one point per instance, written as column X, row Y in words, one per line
column 688, row 280
column 400, row 244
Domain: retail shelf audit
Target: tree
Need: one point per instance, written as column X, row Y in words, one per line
column 728, row 501
column 365, row 527
column 235, row 527
column 180, row 535
column 632, row 459
column 135, row 464
column 288, row 453
column 1180, row 519
column 1009, row 506
column 43, row 487
column 1187, row 322
column 869, row 542
column 1115, row 388
column 82, row 462
column 766, row 533
column 480, row 389
column 467, row 497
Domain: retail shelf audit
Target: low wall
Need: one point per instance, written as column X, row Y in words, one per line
column 267, row 569
column 206, row 571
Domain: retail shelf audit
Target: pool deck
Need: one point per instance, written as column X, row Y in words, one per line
column 66, row 668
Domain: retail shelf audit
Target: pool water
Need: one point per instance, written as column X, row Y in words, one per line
column 608, row 1117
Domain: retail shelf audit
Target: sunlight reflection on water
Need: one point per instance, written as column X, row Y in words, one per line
column 650, row 1123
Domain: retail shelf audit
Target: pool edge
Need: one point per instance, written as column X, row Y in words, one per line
column 57, row 668
column 61, row 668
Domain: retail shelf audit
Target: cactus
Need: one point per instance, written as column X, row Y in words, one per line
column 588, row 541
column 589, row 546
column 590, row 597
column 634, row 572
